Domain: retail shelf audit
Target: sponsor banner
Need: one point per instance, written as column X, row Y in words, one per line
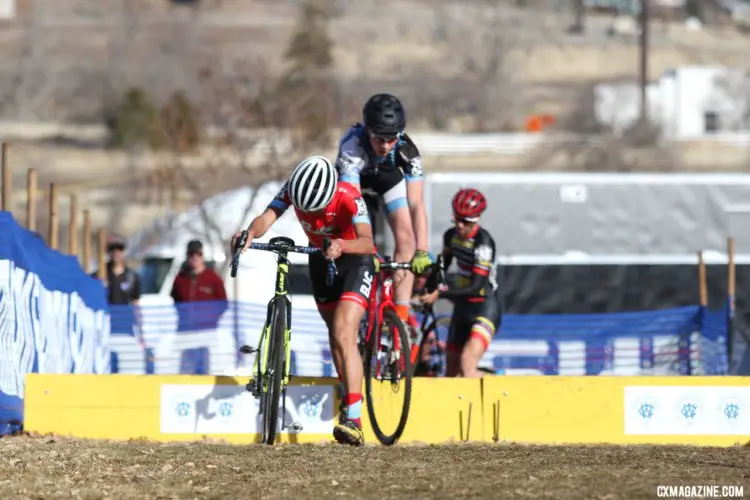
column 53, row 317
column 687, row 410
column 230, row 409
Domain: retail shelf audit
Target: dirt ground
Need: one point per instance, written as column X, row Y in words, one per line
column 45, row 467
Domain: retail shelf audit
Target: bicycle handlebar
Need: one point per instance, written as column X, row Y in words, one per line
column 279, row 248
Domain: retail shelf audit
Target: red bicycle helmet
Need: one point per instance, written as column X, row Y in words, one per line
column 469, row 204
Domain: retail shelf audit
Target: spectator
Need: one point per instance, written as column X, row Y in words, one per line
column 123, row 288
column 123, row 284
column 196, row 282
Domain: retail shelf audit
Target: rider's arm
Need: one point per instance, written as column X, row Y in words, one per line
column 477, row 282
column 262, row 223
column 273, row 211
column 418, row 211
column 414, row 177
column 363, row 244
column 447, row 255
column 484, row 255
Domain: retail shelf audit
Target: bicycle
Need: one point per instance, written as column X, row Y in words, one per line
column 383, row 362
column 271, row 365
column 430, row 323
column 428, row 330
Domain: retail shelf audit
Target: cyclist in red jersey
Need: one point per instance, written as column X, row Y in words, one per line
column 333, row 210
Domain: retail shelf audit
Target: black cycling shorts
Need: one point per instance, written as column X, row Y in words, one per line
column 388, row 183
column 353, row 281
column 480, row 320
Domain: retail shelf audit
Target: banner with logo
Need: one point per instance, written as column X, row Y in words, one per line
column 53, row 317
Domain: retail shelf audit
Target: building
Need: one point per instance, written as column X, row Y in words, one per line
column 688, row 102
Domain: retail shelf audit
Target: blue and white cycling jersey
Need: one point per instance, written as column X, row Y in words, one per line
column 356, row 158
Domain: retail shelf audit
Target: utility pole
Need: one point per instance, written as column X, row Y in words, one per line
column 644, row 22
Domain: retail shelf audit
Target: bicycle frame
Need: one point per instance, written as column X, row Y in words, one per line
column 381, row 298
column 280, row 294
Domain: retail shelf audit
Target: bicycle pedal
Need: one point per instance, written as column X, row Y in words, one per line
column 252, row 388
column 246, row 349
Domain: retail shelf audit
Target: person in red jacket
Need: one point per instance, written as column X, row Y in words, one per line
column 196, row 282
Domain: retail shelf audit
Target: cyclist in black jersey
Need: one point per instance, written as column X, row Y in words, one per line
column 477, row 312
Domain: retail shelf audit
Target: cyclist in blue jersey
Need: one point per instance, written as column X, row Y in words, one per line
column 378, row 157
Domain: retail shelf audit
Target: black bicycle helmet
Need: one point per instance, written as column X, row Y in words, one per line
column 384, row 114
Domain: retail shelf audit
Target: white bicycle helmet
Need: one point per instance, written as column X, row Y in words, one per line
column 313, row 184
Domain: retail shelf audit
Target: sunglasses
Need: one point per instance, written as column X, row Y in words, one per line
column 384, row 138
column 465, row 220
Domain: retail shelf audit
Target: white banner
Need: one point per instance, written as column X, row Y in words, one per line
column 230, row 409
column 687, row 410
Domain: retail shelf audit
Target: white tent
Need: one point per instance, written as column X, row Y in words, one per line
column 214, row 222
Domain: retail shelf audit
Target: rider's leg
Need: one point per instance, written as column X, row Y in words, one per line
column 479, row 340
column 344, row 343
column 452, row 361
column 327, row 311
column 349, row 312
column 456, row 337
column 326, row 298
column 403, row 234
column 390, row 185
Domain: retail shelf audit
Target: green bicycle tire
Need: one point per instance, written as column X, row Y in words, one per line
column 276, row 351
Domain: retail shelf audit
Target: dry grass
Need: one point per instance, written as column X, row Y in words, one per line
column 43, row 467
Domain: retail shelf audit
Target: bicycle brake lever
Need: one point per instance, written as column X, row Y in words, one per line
column 331, row 265
column 238, row 251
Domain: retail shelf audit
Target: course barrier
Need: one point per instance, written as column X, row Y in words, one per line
column 709, row 411
column 53, row 317
column 203, row 338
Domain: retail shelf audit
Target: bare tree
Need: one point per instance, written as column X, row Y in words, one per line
column 731, row 101
column 480, row 46
column 229, row 138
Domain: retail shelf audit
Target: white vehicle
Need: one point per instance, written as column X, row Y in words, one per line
column 213, row 222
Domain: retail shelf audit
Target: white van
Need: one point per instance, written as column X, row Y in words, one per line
column 161, row 249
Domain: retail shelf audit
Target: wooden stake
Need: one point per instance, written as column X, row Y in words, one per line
column 732, row 276
column 7, row 179
column 31, row 200
column 53, row 217
column 702, row 285
column 86, row 242
column 73, row 226
column 102, row 250
column 731, row 284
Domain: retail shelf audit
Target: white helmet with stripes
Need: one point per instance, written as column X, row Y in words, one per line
column 313, row 184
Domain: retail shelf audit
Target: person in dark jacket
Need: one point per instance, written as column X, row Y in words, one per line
column 123, row 288
column 196, row 282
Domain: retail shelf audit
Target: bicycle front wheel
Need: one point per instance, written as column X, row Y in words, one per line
column 383, row 363
column 269, row 401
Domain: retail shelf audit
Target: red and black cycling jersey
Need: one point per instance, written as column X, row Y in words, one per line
column 475, row 260
column 336, row 221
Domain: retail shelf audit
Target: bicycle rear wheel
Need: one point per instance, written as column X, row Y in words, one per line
column 269, row 400
column 394, row 368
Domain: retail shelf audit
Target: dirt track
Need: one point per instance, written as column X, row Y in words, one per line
column 61, row 468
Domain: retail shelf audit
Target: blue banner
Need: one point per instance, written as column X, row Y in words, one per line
column 53, row 317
